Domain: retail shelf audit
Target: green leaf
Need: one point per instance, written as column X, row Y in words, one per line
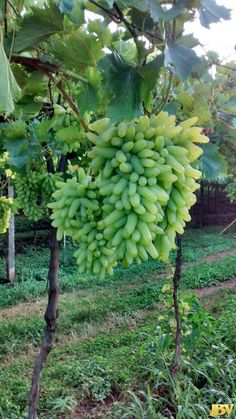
column 21, row 151
column 212, row 162
column 184, row 60
column 74, row 9
column 107, row 3
column 230, row 105
column 188, row 41
column 9, row 88
column 149, row 75
column 210, row 12
column 155, row 9
column 87, row 99
column 127, row 50
column 122, row 87
column 142, row 5
column 37, row 27
column 79, row 51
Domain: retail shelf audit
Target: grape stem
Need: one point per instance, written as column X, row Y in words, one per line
column 176, row 280
column 51, row 313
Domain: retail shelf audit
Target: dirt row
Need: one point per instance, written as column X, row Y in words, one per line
column 39, row 305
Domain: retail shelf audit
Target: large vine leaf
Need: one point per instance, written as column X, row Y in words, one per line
column 212, row 162
column 127, row 87
column 9, row 89
column 22, row 151
column 182, row 59
column 38, row 27
column 210, row 12
column 79, row 51
column 122, row 88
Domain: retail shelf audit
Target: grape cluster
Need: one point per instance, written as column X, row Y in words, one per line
column 34, row 190
column 5, row 213
column 68, row 131
column 143, row 184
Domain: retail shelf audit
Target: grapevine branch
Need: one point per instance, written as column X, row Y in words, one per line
column 50, row 316
column 176, row 281
column 46, row 67
column 130, row 27
column 51, row 313
column 49, row 70
column 13, row 8
column 119, row 18
column 59, row 85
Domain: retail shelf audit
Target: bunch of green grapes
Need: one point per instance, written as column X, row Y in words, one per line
column 47, row 183
column 34, row 190
column 76, row 212
column 145, row 186
column 69, row 133
column 28, row 188
column 5, row 213
column 76, row 203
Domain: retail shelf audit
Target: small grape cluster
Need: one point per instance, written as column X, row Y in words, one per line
column 34, row 190
column 69, row 133
column 5, row 213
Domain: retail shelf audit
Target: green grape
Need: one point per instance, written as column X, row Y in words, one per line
column 143, row 185
column 5, row 213
column 69, row 138
column 34, row 190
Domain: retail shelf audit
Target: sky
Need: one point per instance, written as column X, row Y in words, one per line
column 221, row 37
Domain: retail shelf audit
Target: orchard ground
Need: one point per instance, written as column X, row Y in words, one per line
column 114, row 341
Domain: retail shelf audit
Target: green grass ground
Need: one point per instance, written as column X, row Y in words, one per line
column 114, row 341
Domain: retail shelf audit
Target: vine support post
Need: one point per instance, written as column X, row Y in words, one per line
column 11, row 240
column 50, row 316
column 176, row 280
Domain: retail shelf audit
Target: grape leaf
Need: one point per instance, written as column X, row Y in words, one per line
column 155, row 9
column 79, row 51
column 182, row 59
column 149, row 75
column 87, row 99
column 210, row 12
column 37, row 27
column 122, row 87
column 74, row 9
column 21, row 151
column 9, row 88
column 188, row 41
column 212, row 162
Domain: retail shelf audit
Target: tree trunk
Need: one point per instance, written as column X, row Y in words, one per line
column 176, row 281
column 11, row 241
column 50, row 316
column 201, row 221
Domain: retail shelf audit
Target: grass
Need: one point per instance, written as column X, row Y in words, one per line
column 115, row 336
column 110, row 354
column 205, row 274
column 32, row 277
